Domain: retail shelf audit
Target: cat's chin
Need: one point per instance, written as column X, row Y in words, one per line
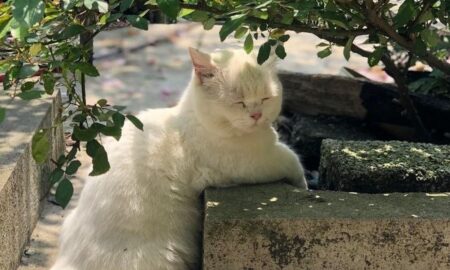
column 253, row 128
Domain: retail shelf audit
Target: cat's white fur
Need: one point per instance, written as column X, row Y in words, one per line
column 144, row 213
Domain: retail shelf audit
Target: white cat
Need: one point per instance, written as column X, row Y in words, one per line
column 144, row 214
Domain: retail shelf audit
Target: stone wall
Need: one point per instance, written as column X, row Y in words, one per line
column 23, row 182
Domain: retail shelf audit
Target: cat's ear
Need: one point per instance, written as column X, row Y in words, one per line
column 203, row 66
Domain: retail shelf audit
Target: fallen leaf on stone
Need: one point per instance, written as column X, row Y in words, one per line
column 436, row 194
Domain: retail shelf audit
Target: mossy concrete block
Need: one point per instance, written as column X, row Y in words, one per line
column 23, row 182
column 384, row 166
column 277, row 226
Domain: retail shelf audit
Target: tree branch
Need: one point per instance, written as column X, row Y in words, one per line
column 407, row 44
column 297, row 27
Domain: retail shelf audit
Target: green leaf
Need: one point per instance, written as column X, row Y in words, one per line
column 185, row 11
column 338, row 23
column 55, row 176
column 169, row 7
column 40, row 146
column 136, row 122
column 263, row 53
column 27, row 71
column 84, row 134
column 27, row 86
column 248, row 43
column 198, row 16
column 324, row 53
column 87, row 69
column 288, row 17
column 115, row 131
column 102, row 102
column 5, row 27
column 69, row 4
column 2, row 114
column 29, row 95
column 137, row 22
column 375, row 56
column 28, row 12
column 64, row 192
column 406, row 13
column 420, row 47
column 114, row 17
column 35, row 49
column 100, row 5
column 118, row 119
column 125, row 4
column 73, row 167
column 70, row 32
column 92, row 147
column 280, row 52
column 284, row 38
column 348, row 47
column 18, row 31
column 99, row 158
column 209, row 23
column 79, row 118
column 231, row 25
column 49, row 82
column 430, row 37
column 272, row 42
column 61, row 160
column 72, row 153
column 240, row 32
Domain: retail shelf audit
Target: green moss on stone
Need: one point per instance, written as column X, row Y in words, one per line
column 384, row 166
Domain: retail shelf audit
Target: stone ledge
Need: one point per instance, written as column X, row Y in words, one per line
column 277, row 226
column 23, row 183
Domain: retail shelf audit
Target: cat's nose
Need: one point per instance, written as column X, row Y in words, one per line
column 256, row 115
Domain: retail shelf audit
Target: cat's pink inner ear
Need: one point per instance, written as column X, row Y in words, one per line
column 202, row 64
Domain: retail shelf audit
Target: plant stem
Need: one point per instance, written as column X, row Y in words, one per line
column 87, row 41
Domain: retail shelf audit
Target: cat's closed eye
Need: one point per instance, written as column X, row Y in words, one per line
column 241, row 103
column 264, row 99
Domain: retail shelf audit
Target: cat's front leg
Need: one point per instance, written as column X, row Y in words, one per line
column 290, row 166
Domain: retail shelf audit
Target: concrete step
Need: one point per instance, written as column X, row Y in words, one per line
column 23, row 182
column 277, row 226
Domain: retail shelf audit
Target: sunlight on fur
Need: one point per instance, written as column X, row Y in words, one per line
column 145, row 212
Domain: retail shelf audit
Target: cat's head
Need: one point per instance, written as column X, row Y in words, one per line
column 234, row 92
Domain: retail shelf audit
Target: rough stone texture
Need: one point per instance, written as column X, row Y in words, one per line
column 305, row 134
column 277, row 226
column 23, row 182
column 384, row 166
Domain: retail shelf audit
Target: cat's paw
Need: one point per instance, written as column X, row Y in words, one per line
column 299, row 182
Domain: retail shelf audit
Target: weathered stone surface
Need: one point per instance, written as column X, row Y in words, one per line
column 305, row 134
column 384, row 166
column 23, row 182
column 277, row 226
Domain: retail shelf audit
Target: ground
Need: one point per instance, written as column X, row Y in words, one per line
column 152, row 76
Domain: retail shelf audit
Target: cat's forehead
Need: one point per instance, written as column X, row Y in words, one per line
column 242, row 76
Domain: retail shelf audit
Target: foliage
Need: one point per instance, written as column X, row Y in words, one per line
column 46, row 45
